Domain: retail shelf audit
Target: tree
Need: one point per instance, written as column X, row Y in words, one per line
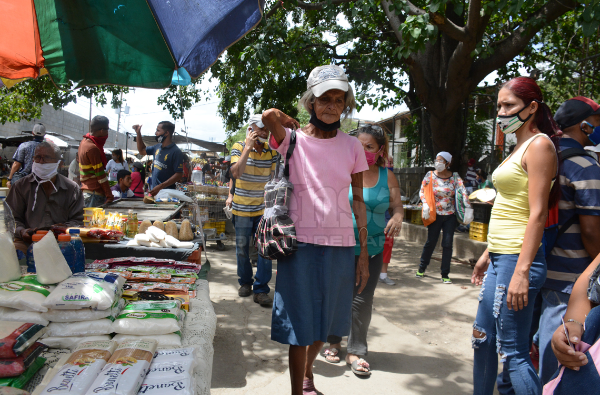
column 430, row 53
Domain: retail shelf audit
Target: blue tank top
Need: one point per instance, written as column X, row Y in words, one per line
column 377, row 201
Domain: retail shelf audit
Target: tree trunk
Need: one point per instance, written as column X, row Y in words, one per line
column 448, row 134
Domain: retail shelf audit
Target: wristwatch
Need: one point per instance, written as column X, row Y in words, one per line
column 9, row 179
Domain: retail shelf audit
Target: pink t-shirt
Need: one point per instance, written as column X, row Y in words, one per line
column 321, row 170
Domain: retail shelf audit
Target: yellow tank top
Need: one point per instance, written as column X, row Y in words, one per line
column 510, row 213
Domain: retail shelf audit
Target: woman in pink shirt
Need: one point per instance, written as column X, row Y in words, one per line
column 314, row 289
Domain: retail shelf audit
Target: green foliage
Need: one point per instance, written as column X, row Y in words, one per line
column 24, row 101
column 233, row 138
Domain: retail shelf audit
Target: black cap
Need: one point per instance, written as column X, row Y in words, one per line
column 575, row 110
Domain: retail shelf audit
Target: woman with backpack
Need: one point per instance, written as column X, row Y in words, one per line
column 445, row 187
column 513, row 268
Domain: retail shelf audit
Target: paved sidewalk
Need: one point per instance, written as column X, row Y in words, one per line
column 419, row 339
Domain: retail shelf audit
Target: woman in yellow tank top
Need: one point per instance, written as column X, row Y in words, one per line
column 513, row 268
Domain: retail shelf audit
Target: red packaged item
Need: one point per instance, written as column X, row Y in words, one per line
column 13, row 367
column 114, row 261
column 105, row 234
column 16, row 337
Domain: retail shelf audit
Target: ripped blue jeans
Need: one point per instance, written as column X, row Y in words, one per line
column 505, row 332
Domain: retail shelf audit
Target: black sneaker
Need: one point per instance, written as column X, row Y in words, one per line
column 263, row 299
column 245, row 290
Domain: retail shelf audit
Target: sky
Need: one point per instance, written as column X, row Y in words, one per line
column 202, row 120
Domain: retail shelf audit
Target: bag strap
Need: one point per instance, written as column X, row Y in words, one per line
column 290, row 151
column 571, row 152
column 566, row 226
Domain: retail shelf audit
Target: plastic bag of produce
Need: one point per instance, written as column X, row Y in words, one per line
column 25, row 294
column 126, row 369
column 87, row 314
column 13, row 367
column 50, row 264
column 70, row 342
column 9, row 263
column 149, row 318
column 34, row 317
column 83, row 328
column 16, row 337
column 82, row 368
column 94, row 290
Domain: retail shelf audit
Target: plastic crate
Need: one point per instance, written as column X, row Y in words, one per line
column 478, row 237
column 482, row 213
column 479, row 227
column 209, row 225
column 220, row 225
column 416, row 217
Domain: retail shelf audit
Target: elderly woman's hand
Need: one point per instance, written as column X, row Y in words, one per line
column 362, row 271
column 287, row 121
column 393, row 227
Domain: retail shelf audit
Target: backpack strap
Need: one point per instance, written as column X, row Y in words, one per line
column 566, row 226
column 290, row 151
column 571, row 152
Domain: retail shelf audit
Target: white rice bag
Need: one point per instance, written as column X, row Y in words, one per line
column 173, row 363
column 164, row 341
column 70, row 342
column 132, row 243
column 126, row 369
column 31, row 317
column 9, row 263
column 175, row 354
column 142, row 237
column 84, row 314
column 149, row 318
column 155, row 245
column 83, row 328
column 163, row 244
column 25, row 294
column 165, row 386
column 94, row 290
column 185, row 244
column 50, row 265
column 81, row 369
column 153, row 231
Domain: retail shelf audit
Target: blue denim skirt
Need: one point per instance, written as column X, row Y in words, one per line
column 313, row 295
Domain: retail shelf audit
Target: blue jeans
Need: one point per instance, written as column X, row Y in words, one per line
column 505, row 332
column 448, row 224
column 245, row 228
column 93, row 200
column 554, row 307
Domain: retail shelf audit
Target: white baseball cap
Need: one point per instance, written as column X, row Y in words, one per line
column 39, row 130
column 256, row 119
column 325, row 78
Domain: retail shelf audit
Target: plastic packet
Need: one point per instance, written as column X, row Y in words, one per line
column 33, row 317
column 9, row 263
column 82, row 368
column 126, row 369
column 16, row 337
column 149, row 318
column 170, row 340
column 86, row 314
column 50, row 264
column 94, row 290
column 83, row 328
column 25, row 294
column 70, row 342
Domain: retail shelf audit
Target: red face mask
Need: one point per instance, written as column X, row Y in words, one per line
column 373, row 156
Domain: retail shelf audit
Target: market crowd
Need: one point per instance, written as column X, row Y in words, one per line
column 537, row 302
column 40, row 197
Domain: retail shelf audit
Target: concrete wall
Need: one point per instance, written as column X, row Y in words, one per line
column 410, row 179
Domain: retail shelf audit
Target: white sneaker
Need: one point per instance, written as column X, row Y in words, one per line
column 387, row 281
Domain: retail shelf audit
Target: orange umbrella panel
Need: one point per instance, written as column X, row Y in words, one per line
column 20, row 48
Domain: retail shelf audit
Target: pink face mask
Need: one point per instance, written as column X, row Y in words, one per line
column 373, row 156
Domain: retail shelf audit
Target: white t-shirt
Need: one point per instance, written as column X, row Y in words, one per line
column 112, row 168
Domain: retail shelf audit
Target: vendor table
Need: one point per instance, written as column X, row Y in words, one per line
column 95, row 251
column 198, row 331
column 153, row 212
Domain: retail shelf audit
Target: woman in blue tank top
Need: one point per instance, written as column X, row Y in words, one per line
column 380, row 192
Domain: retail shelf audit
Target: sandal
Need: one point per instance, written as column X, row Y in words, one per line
column 331, row 355
column 362, row 364
column 308, row 387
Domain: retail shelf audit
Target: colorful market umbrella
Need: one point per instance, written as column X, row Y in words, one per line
column 139, row 43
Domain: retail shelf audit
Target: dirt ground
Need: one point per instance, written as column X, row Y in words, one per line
column 419, row 339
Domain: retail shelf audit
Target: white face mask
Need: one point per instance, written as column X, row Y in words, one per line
column 262, row 140
column 439, row 166
column 43, row 173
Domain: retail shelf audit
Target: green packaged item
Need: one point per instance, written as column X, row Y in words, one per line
column 22, row 380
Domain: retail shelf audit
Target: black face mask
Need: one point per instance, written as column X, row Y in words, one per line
column 160, row 138
column 326, row 127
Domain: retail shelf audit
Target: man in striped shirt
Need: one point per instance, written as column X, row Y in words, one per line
column 252, row 165
column 92, row 164
column 578, row 218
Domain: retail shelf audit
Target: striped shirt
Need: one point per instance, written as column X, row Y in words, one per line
column 580, row 195
column 91, row 168
column 249, row 199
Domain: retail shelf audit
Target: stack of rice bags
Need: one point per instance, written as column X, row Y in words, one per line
column 159, row 320
column 82, row 308
column 171, row 373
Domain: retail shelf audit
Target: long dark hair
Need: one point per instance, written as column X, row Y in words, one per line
column 119, row 153
column 141, row 170
column 381, row 139
column 526, row 89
